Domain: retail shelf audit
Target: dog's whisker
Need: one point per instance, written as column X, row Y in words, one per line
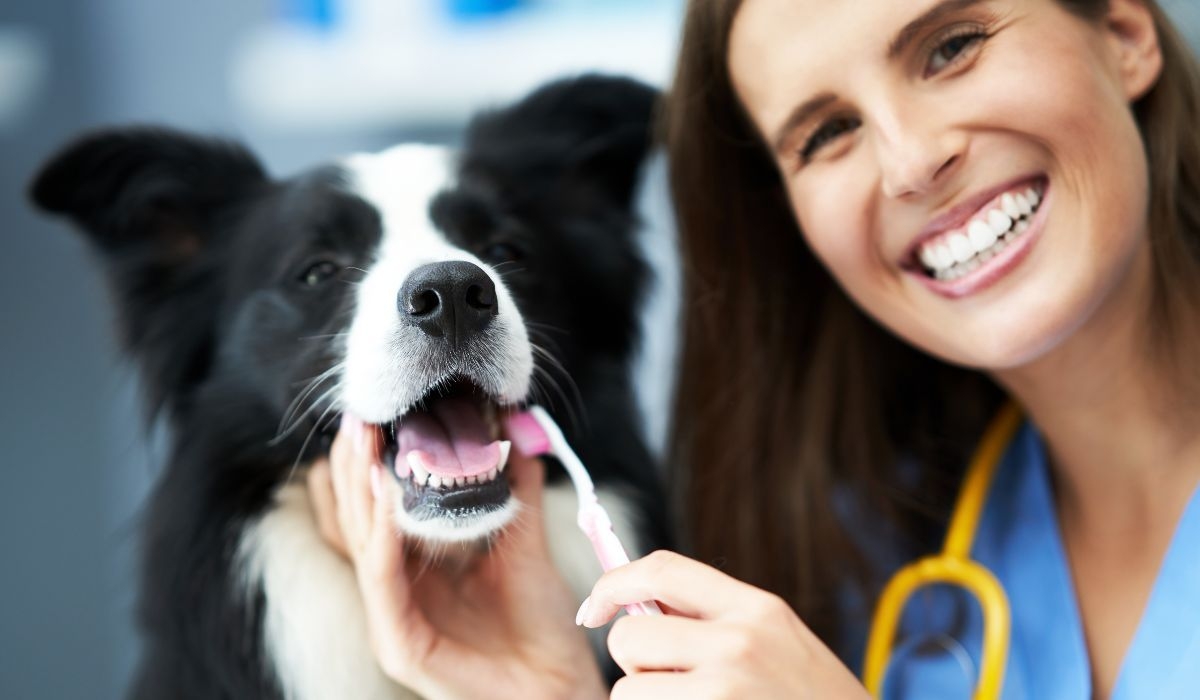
column 542, row 328
column 308, row 438
column 311, row 385
column 572, row 403
column 291, row 416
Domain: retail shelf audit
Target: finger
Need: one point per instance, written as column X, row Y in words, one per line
column 685, row 585
column 324, row 503
column 665, row 643
column 527, row 478
column 656, row 685
column 341, row 458
column 400, row 634
column 361, row 492
column 351, row 456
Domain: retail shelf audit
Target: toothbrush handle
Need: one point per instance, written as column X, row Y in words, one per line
column 611, row 555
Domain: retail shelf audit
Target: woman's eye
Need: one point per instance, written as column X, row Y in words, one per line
column 827, row 132
column 318, row 273
column 952, row 49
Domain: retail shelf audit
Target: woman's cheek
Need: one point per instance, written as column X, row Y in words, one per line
column 833, row 219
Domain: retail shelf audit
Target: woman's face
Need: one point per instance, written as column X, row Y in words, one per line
column 969, row 170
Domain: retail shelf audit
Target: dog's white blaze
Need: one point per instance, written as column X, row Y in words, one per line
column 384, row 372
column 314, row 624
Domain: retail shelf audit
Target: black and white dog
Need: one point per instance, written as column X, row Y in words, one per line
column 419, row 288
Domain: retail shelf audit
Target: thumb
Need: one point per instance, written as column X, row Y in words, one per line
column 400, row 633
column 527, row 479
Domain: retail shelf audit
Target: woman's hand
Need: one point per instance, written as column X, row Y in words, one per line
column 497, row 624
column 721, row 638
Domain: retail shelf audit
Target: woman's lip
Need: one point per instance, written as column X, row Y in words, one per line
column 958, row 216
column 994, row 269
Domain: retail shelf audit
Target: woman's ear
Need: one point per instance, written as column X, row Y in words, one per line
column 1134, row 37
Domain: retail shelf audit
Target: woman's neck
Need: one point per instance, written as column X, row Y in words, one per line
column 1119, row 423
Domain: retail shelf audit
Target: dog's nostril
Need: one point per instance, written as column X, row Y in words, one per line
column 423, row 303
column 481, row 298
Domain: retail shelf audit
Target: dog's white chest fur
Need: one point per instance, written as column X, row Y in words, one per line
column 314, row 625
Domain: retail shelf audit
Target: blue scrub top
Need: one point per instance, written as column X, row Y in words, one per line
column 938, row 648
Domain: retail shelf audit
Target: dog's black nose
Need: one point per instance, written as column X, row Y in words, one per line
column 454, row 300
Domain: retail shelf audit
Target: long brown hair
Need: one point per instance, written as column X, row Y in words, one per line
column 794, row 411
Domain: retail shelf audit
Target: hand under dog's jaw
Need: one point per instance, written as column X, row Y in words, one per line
column 447, row 461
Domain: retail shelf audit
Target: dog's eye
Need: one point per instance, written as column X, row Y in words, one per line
column 318, row 272
column 502, row 252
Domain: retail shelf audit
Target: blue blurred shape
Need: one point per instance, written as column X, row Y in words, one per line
column 317, row 14
column 468, row 10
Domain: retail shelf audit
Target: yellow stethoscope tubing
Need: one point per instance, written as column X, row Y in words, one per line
column 954, row 566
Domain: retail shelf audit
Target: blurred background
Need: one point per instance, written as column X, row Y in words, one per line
column 300, row 81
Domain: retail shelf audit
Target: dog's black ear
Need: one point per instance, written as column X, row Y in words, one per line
column 152, row 201
column 145, row 187
column 616, row 119
column 594, row 130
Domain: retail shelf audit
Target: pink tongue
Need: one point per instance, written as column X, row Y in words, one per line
column 450, row 440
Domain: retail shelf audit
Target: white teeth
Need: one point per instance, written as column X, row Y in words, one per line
column 999, row 221
column 1024, row 205
column 505, row 448
column 982, row 235
column 460, row 481
column 929, row 257
column 1009, row 204
column 960, row 247
column 962, row 252
column 435, row 481
column 944, row 256
column 418, row 472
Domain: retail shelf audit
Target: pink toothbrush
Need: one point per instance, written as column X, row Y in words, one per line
column 535, row 434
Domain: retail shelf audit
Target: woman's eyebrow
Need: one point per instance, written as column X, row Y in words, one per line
column 932, row 16
column 798, row 116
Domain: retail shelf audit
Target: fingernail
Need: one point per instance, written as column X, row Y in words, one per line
column 583, row 611
column 376, row 481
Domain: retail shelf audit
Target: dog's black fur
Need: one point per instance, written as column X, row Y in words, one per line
column 230, row 285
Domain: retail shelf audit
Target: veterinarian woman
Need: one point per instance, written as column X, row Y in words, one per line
column 903, row 222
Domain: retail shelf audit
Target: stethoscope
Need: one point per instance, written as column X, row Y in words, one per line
column 954, row 566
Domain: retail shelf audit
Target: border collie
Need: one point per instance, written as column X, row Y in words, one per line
column 422, row 289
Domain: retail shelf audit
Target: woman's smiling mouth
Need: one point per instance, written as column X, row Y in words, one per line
column 958, row 261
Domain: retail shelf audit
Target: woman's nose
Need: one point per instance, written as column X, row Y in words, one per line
column 916, row 154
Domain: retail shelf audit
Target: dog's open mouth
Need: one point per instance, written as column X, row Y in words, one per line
column 447, row 453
